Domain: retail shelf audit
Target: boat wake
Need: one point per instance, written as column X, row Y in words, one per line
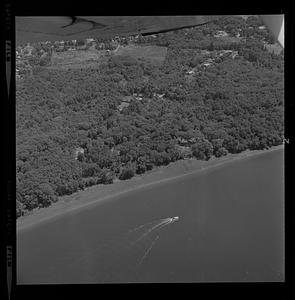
column 124, row 254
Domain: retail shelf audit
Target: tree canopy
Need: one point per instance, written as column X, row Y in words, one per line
column 231, row 105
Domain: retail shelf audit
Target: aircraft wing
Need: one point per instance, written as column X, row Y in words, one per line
column 35, row 29
column 275, row 24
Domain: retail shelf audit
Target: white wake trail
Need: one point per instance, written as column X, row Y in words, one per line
column 148, row 250
column 158, row 226
column 147, row 224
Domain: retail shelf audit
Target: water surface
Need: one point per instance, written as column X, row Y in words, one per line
column 230, row 228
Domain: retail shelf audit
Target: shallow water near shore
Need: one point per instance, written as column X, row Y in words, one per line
column 230, row 227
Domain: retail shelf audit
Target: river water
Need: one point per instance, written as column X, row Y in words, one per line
column 230, row 228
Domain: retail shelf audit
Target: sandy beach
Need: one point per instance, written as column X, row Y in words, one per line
column 100, row 193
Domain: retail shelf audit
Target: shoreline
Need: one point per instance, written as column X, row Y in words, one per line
column 98, row 194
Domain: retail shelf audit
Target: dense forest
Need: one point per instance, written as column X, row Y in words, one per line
column 228, row 107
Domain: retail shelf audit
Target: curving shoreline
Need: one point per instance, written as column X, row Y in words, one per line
column 100, row 193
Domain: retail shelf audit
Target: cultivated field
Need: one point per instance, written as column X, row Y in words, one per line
column 155, row 54
column 93, row 58
column 78, row 59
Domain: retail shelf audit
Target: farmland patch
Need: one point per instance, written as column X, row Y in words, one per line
column 154, row 54
column 78, row 59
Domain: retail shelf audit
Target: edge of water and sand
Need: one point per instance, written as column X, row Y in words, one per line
column 101, row 193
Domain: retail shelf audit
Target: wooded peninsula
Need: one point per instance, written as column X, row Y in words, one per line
column 216, row 89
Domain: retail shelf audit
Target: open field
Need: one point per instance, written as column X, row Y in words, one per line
column 78, row 59
column 155, row 54
column 93, row 58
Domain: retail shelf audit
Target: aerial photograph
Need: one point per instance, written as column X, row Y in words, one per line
column 150, row 149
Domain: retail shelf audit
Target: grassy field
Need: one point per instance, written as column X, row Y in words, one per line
column 155, row 54
column 93, row 58
column 77, row 59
